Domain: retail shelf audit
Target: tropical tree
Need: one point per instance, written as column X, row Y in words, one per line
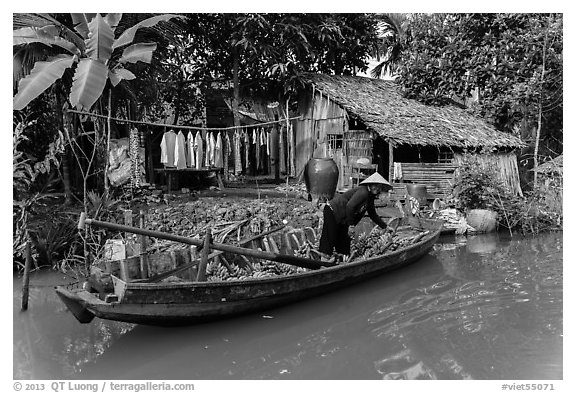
column 511, row 63
column 90, row 48
column 393, row 33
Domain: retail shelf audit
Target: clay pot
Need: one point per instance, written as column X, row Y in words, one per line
column 321, row 177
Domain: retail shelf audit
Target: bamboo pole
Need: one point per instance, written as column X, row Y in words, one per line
column 390, row 161
column 288, row 259
column 143, row 245
column 107, row 159
column 26, row 277
column 204, row 256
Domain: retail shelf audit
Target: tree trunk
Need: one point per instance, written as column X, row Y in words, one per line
column 107, row 152
column 236, row 98
column 539, row 129
column 60, row 113
column 178, row 101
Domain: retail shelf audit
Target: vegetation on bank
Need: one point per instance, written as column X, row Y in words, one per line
column 511, row 62
column 478, row 187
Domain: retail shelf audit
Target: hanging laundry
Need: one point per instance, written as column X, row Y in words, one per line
column 218, row 153
column 237, row 157
column 167, row 148
column 227, row 151
column 134, row 153
column 269, row 161
column 190, row 157
column 180, row 151
column 262, row 148
column 212, row 149
column 198, row 149
column 257, row 143
column 208, row 151
column 246, row 150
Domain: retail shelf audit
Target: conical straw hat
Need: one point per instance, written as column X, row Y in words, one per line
column 376, row 178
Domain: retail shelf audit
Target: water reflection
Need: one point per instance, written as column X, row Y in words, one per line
column 485, row 308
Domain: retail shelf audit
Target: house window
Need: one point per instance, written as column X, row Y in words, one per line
column 335, row 141
column 445, row 157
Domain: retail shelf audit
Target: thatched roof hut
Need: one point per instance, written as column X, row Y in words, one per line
column 412, row 142
column 553, row 166
column 380, row 106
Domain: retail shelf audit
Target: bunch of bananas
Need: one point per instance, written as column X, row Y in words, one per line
column 218, row 272
column 378, row 242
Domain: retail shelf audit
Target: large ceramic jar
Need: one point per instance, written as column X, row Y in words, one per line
column 321, row 177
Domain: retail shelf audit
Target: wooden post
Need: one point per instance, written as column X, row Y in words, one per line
column 143, row 245
column 193, row 257
column 148, row 157
column 390, row 161
column 26, row 277
column 204, row 256
column 124, row 271
column 128, row 217
column 274, row 151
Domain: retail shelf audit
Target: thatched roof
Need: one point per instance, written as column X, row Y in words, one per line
column 556, row 165
column 380, row 106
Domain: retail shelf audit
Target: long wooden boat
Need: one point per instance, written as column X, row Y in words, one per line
column 180, row 299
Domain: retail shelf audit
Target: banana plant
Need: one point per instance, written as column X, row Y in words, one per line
column 91, row 49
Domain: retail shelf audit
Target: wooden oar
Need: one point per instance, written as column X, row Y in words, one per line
column 288, row 259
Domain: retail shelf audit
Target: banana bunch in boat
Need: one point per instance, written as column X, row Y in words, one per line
column 308, row 250
column 370, row 244
column 218, row 272
column 378, row 242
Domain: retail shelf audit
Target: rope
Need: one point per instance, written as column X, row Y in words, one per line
column 182, row 127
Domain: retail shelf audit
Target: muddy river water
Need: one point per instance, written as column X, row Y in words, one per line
column 482, row 307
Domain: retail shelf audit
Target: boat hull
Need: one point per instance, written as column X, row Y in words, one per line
column 183, row 303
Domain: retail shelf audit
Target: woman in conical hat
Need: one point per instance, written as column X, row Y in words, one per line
column 348, row 209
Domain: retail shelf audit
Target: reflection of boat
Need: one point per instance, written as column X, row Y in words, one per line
column 185, row 302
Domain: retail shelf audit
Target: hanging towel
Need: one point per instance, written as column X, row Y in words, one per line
column 134, row 153
column 208, row 151
column 263, row 149
column 167, row 148
column 190, row 158
column 218, row 156
column 257, row 143
column 237, row 157
column 227, row 151
column 180, row 151
column 397, row 171
column 246, row 149
column 212, row 149
column 199, row 149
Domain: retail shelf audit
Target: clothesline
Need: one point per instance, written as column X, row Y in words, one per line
column 182, row 127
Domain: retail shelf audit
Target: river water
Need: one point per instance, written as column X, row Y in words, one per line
column 482, row 307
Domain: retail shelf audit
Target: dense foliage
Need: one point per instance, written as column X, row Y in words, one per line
column 511, row 62
column 477, row 187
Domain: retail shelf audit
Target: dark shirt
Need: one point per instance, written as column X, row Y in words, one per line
column 351, row 206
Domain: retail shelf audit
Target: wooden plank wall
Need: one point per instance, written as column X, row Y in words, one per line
column 321, row 115
column 438, row 178
column 505, row 164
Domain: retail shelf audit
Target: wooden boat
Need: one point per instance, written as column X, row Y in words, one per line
column 185, row 300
